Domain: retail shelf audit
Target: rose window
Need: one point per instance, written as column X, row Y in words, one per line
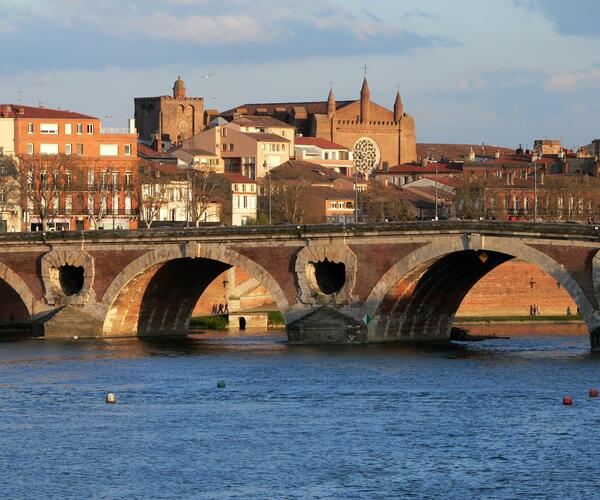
column 366, row 155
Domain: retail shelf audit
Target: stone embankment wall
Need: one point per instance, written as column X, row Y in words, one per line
column 508, row 291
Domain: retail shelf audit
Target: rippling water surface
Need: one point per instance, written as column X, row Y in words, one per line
column 472, row 420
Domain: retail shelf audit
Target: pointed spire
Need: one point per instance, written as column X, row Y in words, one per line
column 365, row 101
column 330, row 102
column 364, row 91
column 398, row 106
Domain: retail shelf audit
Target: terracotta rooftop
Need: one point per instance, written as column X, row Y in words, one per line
column 265, row 137
column 318, row 142
column 20, row 111
column 197, row 152
column 260, row 121
column 235, row 177
column 417, row 168
column 318, row 107
column 458, row 151
column 146, row 151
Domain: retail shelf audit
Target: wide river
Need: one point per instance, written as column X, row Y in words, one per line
column 473, row 420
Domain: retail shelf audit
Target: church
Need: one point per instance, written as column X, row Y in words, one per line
column 379, row 137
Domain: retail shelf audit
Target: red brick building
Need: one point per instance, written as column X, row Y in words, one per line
column 94, row 170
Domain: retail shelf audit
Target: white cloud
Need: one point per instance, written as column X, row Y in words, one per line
column 470, row 82
column 572, row 80
column 214, row 30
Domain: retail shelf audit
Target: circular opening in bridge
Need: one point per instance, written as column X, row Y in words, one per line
column 71, row 279
column 329, row 277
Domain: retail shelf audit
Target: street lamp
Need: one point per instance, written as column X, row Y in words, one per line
column 267, row 167
column 436, row 191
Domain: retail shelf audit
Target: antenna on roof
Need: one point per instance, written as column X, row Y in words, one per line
column 19, row 96
column 365, row 68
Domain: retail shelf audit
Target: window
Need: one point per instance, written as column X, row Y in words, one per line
column 127, row 179
column 109, row 149
column 55, row 178
column 49, row 149
column 80, row 128
column 115, row 204
column 90, row 128
column 90, row 177
column 90, row 202
column 127, row 149
column 3, row 197
column 30, row 128
column 115, row 178
column 79, row 149
column 127, row 205
column 30, row 149
column 104, row 179
column 68, row 129
column 68, row 149
column 245, row 202
column 68, row 179
column 68, row 204
column 49, row 128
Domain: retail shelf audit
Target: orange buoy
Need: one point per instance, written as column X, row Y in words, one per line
column 593, row 392
column 567, row 400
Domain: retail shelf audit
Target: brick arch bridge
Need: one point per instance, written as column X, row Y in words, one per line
column 378, row 283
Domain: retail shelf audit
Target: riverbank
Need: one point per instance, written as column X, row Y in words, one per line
column 513, row 326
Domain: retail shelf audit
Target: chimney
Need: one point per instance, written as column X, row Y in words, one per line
column 131, row 126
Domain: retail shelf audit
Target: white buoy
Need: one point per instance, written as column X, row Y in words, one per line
column 111, row 398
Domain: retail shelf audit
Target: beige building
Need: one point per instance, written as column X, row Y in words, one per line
column 200, row 158
column 325, row 153
column 251, row 154
column 243, row 199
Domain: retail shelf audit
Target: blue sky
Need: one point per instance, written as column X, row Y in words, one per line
column 497, row 71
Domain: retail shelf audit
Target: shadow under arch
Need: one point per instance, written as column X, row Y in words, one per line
column 156, row 293
column 417, row 298
column 16, row 291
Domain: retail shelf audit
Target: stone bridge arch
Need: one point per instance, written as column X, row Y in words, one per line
column 141, row 301
column 417, row 298
column 14, row 284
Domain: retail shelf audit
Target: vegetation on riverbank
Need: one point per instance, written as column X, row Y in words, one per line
column 220, row 322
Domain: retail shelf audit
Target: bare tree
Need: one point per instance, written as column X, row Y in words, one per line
column 205, row 185
column 155, row 191
column 42, row 181
column 291, row 200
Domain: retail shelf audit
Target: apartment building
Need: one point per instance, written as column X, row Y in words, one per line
column 93, row 186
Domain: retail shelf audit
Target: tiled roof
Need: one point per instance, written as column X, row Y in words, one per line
column 311, row 107
column 266, row 137
column 20, row 111
column 417, row 168
column 235, row 177
column 198, row 152
column 260, row 121
column 458, row 151
column 318, row 142
column 146, row 151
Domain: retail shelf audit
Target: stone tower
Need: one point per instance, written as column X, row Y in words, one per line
column 168, row 120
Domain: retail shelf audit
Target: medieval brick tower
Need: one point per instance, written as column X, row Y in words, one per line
column 169, row 118
column 379, row 137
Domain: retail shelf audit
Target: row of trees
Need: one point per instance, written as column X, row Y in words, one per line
column 48, row 186
column 559, row 197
